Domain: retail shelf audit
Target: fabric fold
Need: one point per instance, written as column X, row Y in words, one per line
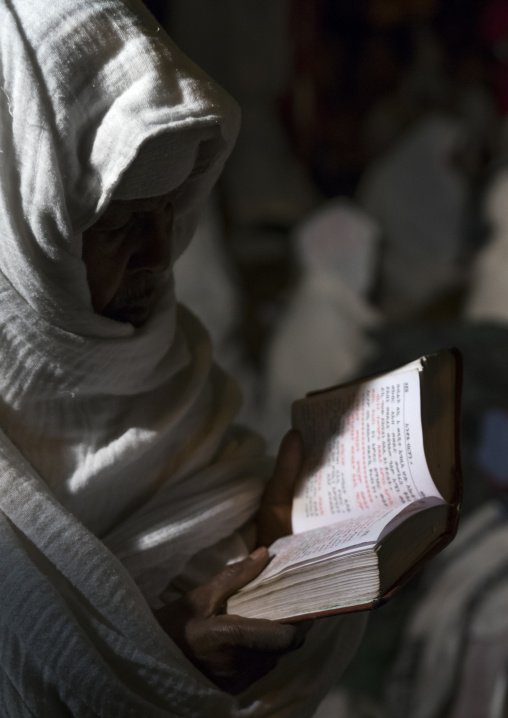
column 119, row 457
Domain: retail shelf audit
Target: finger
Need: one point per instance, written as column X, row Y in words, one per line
column 235, row 669
column 302, row 628
column 280, row 487
column 210, row 598
column 255, row 634
column 251, row 672
column 244, row 668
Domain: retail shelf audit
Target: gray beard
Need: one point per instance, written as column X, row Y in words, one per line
column 139, row 286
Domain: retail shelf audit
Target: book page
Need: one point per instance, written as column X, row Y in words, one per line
column 291, row 552
column 364, row 450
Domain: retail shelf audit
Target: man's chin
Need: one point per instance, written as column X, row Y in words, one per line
column 134, row 314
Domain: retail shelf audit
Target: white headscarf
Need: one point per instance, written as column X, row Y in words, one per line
column 117, row 456
column 127, row 427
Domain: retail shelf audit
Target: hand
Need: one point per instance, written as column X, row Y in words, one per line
column 274, row 515
column 231, row 651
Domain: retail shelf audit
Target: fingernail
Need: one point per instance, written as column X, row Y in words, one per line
column 261, row 551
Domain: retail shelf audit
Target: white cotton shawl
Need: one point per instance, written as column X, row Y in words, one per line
column 118, row 460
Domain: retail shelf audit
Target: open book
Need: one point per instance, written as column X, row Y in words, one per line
column 378, row 496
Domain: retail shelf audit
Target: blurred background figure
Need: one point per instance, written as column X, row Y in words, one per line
column 495, row 33
column 321, row 337
column 487, row 297
column 419, row 198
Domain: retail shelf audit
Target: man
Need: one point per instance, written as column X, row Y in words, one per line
column 124, row 485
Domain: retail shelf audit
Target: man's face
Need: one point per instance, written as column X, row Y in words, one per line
column 126, row 252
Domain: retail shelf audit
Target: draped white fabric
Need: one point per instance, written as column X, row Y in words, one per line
column 118, row 458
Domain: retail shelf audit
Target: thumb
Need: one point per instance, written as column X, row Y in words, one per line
column 211, row 597
column 280, row 487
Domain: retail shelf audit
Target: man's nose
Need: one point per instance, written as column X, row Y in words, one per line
column 154, row 248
